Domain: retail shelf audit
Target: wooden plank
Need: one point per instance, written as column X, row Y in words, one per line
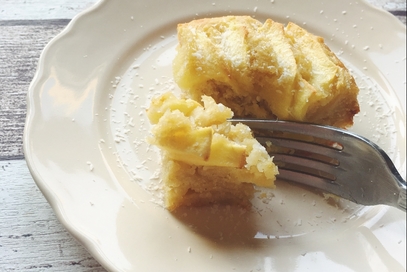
column 395, row 7
column 42, row 9
column 389, row 5
column 57, row 9
column 31, row 237
column 20, row 48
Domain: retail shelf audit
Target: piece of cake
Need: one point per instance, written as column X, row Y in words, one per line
column 206, row 159
column 264, row 70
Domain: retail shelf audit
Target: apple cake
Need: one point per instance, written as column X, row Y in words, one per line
column 205, row 158
column 264, row 70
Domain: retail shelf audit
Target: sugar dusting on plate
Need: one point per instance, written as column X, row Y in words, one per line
column 151, row 74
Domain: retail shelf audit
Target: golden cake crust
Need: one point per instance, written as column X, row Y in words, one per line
column 265, row 70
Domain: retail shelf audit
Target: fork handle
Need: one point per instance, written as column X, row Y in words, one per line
column 401, row 203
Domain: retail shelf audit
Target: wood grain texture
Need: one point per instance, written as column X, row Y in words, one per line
column 42, row 9
column 27, row 221
column 395, row 7
column 20, row 47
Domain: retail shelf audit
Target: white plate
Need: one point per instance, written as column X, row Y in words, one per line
column 85, row 144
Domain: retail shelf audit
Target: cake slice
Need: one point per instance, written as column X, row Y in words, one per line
column 264, row 70
column 206, row 159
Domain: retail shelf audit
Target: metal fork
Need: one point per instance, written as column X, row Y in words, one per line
column 331, row 159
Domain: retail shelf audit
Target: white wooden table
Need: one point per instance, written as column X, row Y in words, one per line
column 31, row 238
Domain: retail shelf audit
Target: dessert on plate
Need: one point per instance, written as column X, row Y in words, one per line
column 205, row 158
column 264, row 70
column 238, row 65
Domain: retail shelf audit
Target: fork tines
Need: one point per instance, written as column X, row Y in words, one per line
column 305, row 157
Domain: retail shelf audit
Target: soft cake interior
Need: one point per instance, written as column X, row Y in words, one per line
column 206, row 159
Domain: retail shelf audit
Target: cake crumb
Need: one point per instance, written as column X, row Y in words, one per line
column 90, row 165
